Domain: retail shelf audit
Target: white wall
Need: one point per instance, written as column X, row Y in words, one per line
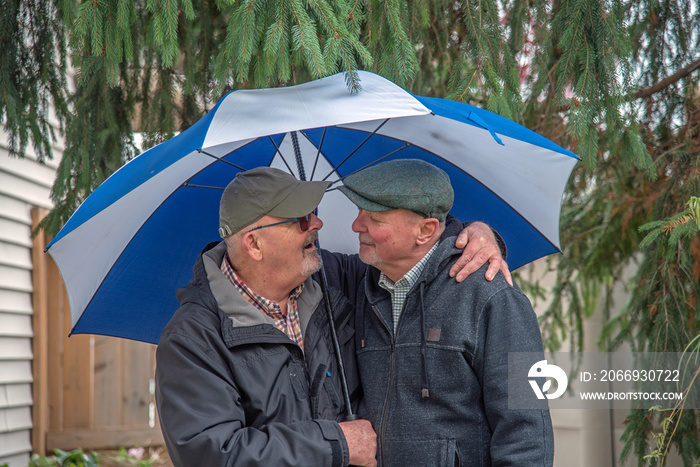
column 24, row 184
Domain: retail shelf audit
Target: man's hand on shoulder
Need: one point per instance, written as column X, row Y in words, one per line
column 362, row 442
column 479, row 245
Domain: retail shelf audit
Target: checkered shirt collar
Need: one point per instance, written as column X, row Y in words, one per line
column 288, row 323
column 399, row 289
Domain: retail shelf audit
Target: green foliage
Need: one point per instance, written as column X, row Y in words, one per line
column 581, row 63
column 266, row 40
column 484, row 60
column 662, row 312
column 75, row 458
column 139, row 457
column 102, row 125
column 32, row 79
column 607, row 204
column 683, row 225
column 157, row 67
column 609, row 86
column 659, row 317
column 674, row 424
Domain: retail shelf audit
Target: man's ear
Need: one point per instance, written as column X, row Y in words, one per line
column 427, row 229
column 252, row 245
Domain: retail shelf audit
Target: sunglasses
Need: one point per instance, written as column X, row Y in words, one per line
column 303, row 223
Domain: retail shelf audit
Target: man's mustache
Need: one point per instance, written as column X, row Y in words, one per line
column 311, row 238
column 366, row 240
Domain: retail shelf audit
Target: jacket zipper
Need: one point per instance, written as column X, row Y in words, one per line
column 391, row 372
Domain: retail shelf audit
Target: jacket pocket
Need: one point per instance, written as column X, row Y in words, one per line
column 325, row 399
column 419, row 453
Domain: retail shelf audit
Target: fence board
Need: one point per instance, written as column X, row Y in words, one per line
column 136, row 383
column 109, row 381
column 56, row 302
column 78, row 381
column 40, row 388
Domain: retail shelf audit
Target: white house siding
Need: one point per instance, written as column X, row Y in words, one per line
column 24, row 185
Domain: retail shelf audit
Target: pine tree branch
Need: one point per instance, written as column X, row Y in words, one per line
column 666, row 82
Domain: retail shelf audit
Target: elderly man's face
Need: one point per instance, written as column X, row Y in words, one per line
column 293, row 250
column 386, row 238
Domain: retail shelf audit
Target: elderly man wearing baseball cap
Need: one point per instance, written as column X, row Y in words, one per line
column 432, row 353
column 246, row 373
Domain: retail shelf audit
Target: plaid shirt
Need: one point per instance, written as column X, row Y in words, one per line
column 287, row 323
column 399, row 289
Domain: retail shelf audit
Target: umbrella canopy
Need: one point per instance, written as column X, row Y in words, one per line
column 134, row 240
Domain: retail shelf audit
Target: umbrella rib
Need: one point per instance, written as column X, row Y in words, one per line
column 191, row 185
column 374, row 162
column 318, row 153
column 355, row 150
column 277, row 150
column 202, row 151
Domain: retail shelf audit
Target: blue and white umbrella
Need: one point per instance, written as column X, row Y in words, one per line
column 134, row 240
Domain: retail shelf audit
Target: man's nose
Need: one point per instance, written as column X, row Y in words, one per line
column 358, row 224
column 314, row 222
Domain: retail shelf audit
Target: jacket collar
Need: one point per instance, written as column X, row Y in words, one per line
column 237, row 308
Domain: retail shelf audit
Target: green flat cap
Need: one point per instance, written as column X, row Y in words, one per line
column 410, row 184
column 266, row 191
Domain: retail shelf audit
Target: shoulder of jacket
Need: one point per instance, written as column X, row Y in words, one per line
column 193, row 322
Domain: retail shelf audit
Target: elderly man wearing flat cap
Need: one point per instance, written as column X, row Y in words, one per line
column 246, row 373
column 432, row 353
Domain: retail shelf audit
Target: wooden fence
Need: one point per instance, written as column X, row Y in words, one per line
column 90, row 392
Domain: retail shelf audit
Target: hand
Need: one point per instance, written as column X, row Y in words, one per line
column 362, row 442
column 479, row 245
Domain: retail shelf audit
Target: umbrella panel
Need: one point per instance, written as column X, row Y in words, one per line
column 145, row 278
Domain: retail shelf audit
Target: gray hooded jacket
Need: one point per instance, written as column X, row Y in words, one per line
column 452, row 346
column 233, row 390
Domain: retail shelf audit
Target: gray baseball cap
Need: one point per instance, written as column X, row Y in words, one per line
column 410, row 184
column 266, row 191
